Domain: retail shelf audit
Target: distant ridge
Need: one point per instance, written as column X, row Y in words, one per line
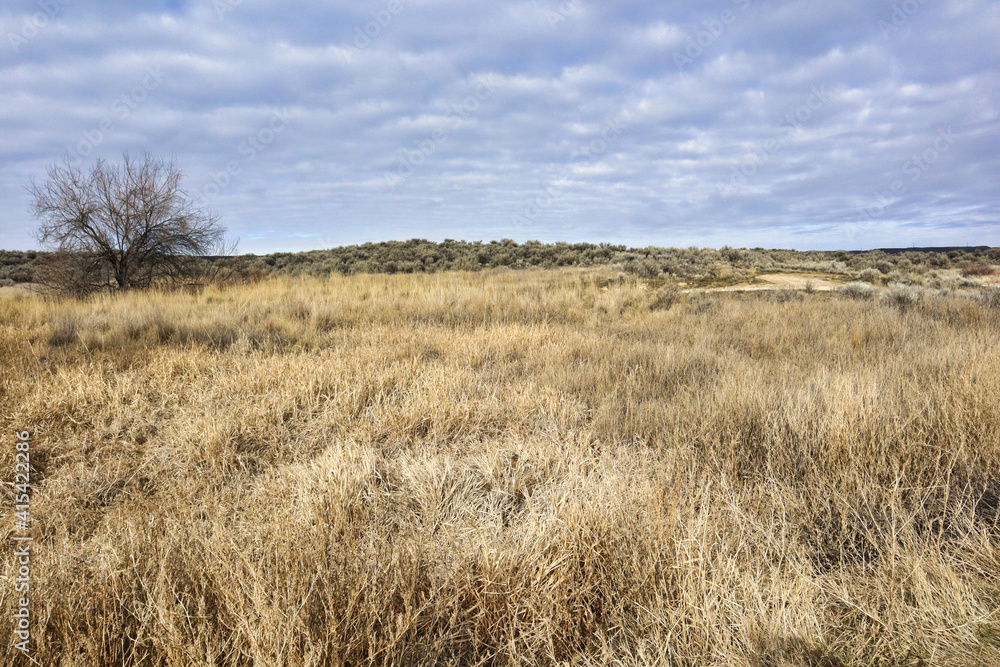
column 899, row 251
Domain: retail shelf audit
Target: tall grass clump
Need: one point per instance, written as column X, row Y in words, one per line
column 989, row 298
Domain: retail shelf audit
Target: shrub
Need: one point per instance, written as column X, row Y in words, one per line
column 979, row 269
column 902, row 296
column 872, row 276
column 644, row 269
column 857, row 290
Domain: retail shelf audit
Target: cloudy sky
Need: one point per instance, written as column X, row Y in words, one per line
column 778, row 123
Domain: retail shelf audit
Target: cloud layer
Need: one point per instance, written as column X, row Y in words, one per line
column 799, row 123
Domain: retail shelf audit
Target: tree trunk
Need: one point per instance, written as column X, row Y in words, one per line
column 121, row 275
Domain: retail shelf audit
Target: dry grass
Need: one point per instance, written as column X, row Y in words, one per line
column 509, row 468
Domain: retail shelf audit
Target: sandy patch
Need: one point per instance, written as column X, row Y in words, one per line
column 777, row 281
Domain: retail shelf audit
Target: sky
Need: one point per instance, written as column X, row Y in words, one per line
column 807, row 124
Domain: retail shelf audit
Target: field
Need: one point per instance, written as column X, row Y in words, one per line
column 506, row 467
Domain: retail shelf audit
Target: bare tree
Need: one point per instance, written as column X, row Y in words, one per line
column 121, row 226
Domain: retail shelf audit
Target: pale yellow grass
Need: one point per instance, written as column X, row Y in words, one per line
column 511, row 468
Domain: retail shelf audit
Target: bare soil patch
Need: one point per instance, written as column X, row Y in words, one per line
column 777, row 281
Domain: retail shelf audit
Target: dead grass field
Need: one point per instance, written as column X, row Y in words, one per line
column 511, row 468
